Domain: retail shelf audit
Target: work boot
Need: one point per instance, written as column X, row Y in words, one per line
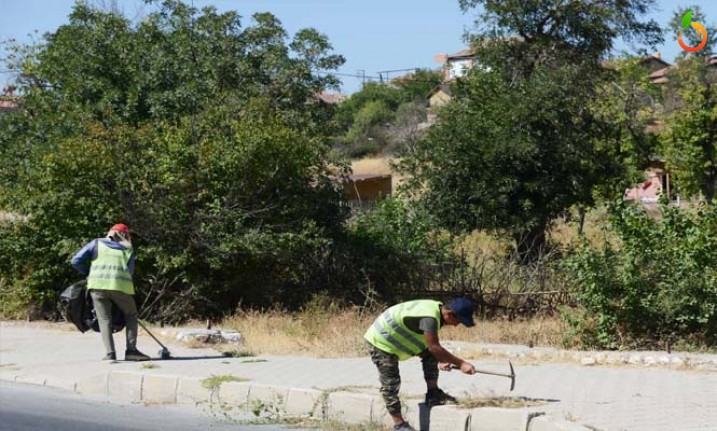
column 436, row 397
column 405, row 426
column 110, row 357
column 135, row 355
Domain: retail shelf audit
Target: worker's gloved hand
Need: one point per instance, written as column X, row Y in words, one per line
column 467, row 368
column 445, row 366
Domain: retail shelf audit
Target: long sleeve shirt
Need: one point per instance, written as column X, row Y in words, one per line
column 83, row 259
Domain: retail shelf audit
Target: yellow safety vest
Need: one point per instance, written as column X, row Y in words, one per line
column 110, row 270
column 390, row 334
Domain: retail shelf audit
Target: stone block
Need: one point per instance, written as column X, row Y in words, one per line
column 499, row 419
column 551, row 423
column 160, row 389
column 267, row 401
column 125, row 386
column 350, row 407
column 94, row 386
column 31, row 379
column 449, row 418
column 304, row 402
column 233, row 393
column 191, row 391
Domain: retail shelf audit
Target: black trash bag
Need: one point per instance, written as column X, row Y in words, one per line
column 76, row 306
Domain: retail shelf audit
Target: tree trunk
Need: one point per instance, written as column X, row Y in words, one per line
column 530, row 244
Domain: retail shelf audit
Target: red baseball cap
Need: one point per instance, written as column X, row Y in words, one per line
column 120, row 227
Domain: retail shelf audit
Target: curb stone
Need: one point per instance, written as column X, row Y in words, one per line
column 550, row 423
column 346, row 407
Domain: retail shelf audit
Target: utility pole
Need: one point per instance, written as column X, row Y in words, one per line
column 362, row 74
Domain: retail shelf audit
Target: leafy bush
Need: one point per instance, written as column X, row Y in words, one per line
column 659, row 284
column 198, row 130
column 388, row 250
column 224, row 211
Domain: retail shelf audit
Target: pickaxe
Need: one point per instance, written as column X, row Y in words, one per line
column 511, row 376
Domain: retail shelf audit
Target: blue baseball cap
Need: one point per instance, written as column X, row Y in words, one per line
column 463, row 309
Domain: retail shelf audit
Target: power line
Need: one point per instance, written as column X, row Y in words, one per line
column 372, row 78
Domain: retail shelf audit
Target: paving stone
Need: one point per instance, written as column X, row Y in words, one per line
column 350, row 407
column 500, row 419
column 305, row 402
column 125, row 386
column 551, row 423
column 94, row 386
column 191, row 391
column 449, row 418
column 160, row 389
column 233, row 393
column 267, row 400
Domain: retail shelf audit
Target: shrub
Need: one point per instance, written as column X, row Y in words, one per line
column 659, row 284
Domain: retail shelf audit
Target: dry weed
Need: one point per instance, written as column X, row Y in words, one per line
column 504, row 402
column 317, row 331
column 537, row 332
column 339, row 333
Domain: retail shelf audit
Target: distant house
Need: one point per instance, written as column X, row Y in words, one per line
column 439, row 96
column 648, row 192
column 656, row 184
column 331, row 98
column 363, row 190
column 660, row 76
column 8, row 100
column 456, row 65
column 654, row 62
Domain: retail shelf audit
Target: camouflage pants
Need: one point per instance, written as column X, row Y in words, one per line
column 388, row 375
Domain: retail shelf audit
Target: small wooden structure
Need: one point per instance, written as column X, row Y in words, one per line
column 363, row 190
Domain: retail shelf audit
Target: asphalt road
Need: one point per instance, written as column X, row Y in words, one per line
column 35, row 408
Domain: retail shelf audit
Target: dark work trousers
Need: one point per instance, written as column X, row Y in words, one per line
column 103, row 300
column 388, row 375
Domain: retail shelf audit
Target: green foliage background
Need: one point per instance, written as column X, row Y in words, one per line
column 204, row 136
column 658, row 283
column 203, row 132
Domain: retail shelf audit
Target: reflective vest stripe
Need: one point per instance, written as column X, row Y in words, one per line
column 395, row 343
column 390, row 334
column 404, row 333
column 110, row 277
column 111, row 267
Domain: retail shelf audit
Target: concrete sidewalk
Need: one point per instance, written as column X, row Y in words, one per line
column 572, row 396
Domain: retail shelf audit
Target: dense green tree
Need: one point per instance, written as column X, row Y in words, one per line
column 657, row 284
column 519, row 144
column 629, row 104
column 369, row 118
column 689, row 141
column 416, row 86
column 203, row 135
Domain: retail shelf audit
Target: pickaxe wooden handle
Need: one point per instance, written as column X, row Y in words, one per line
column 511, row 376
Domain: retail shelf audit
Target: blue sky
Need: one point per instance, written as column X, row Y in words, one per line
column 373, row 35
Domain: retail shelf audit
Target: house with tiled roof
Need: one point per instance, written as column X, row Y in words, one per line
column 8, row 100
column 660, row 76
column 456, row 65
column 331, row 98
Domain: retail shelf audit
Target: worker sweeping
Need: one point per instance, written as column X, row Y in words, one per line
column 108, row 264
column 411, row 329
